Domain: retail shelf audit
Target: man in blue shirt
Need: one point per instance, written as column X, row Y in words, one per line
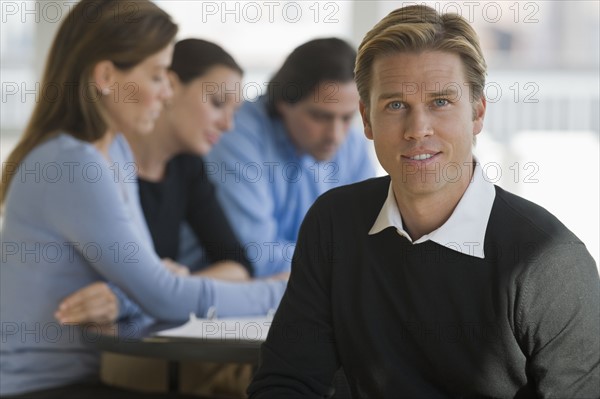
column 287, row 148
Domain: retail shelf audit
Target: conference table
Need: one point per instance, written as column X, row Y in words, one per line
column 142, row 339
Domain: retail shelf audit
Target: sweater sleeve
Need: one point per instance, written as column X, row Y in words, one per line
column 558, row 322
column 208, row 221
column 299, row 358
column 127, row 308
column 88, row 210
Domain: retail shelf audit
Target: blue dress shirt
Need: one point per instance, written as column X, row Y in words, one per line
column 266, row 186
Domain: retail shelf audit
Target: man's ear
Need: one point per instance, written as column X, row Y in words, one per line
column 103, row 75
column 364, row 113
column 479, row 107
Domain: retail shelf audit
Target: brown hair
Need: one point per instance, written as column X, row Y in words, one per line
column 124, row 32
column 310, row 64
column 192, row 58
column 418, row 28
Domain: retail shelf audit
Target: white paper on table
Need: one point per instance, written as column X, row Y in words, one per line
column 254, row 329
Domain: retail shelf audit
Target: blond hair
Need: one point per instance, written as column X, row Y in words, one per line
column 415, row 29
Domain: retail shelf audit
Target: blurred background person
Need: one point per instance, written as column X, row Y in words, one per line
column 287, row 148
column 89, row 204
column 174, row 188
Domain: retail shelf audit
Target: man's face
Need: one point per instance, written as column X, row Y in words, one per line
column 423, row 122
column 318, row 124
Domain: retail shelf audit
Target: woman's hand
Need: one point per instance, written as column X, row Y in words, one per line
column 95, row 303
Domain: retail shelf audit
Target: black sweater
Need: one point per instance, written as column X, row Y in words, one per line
column 186, row 194
column 424, row 321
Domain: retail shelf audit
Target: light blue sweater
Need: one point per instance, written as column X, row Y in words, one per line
column 72, row 218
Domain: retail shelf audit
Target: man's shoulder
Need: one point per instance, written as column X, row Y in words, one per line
column 365, row 197
column 351, row 208
column 527, row 220
column 253, row 112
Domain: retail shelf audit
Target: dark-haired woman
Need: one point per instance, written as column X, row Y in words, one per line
column 174, row 188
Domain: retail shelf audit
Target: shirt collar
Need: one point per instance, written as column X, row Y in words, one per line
column 464, row 231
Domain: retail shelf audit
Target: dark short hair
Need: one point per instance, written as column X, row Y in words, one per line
column 192, row 58
column 312, row 63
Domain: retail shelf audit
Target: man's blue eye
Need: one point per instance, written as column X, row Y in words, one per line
column 395, row 105
column 441, row 102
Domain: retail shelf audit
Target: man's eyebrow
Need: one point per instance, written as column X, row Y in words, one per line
column 387, row 96
column 449, row 92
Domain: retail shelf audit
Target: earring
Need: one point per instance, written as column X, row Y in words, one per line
column 105, row 91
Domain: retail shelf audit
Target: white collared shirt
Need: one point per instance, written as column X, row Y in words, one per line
column 464, row 231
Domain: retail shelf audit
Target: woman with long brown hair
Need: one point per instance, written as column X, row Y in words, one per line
column 173, row 184
column 71, row 206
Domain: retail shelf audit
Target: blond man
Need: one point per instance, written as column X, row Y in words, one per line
column 432, row 282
